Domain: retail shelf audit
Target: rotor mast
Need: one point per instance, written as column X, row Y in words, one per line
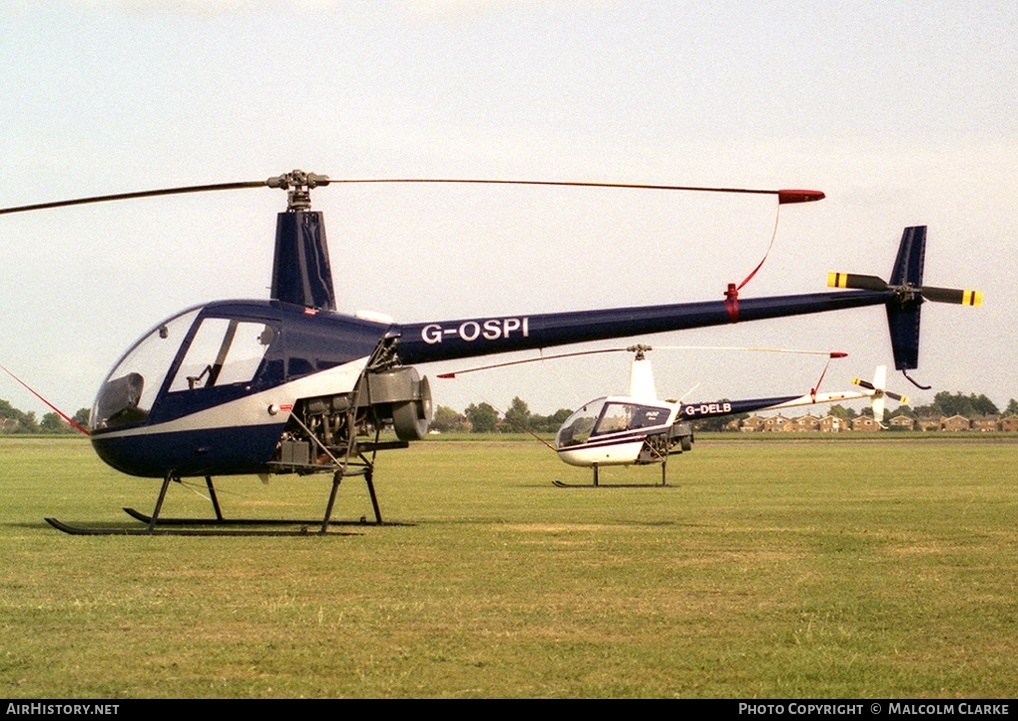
column 301, row 271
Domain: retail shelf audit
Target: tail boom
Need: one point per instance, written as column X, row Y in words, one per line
column 468, row 337
column 903, row 298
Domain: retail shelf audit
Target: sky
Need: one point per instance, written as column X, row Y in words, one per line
column 902, row 113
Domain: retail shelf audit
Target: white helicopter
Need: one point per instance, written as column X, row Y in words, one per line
column 640, row 429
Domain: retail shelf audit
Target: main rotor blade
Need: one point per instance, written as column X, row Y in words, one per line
column 751, row 349
column 70, row 421
column 784, row 195
column 312, row 180
column 136, row 194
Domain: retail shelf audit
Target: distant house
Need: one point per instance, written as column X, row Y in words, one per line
column 778, row 424
column 986, row 423
column 753, row 424
column 956, row 422
column 8, row 425
column 865, row 423
column 901, row 422
column 1009, row 424
column 832, row 424
column 931, row 423
column 808, row 422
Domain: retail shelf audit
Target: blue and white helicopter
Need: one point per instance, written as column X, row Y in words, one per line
column 641, row 429
column 289, row 385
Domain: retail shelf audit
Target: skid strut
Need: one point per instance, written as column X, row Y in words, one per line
column 597, row 480
column 222, row 526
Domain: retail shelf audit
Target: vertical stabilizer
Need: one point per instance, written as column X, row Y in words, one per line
column 903, row 313
column 908, row 266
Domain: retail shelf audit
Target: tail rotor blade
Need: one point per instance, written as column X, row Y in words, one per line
column 953, row 295
column 938, row 295
column 905, row 294
column 858, row 282
column 863, row 384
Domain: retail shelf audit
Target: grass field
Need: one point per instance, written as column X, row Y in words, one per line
column 803, row 569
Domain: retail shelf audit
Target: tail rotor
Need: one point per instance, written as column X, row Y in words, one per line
column 878, row 392
column 905, row 296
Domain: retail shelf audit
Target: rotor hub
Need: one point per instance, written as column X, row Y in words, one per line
column 640, row 350
column 298, row 185
column 906, row 293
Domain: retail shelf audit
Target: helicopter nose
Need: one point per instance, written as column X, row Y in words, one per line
column 133, row 455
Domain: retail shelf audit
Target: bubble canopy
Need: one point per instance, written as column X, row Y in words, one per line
column 214, row 353
column 604, row 416
column 131, row 387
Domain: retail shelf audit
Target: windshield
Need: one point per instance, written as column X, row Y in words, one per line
column 579, row 425
column 221, row 352
column 132, row 385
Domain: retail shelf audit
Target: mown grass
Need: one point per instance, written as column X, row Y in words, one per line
column 869, row 569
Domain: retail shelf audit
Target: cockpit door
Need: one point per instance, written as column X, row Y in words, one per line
column 223, row 352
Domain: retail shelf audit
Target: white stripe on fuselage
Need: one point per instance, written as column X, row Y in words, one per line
column 253, row 410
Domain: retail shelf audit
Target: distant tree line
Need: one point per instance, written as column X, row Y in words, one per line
column 13, row 420
column 944, row 404
column 485, row 418
column 956, row 404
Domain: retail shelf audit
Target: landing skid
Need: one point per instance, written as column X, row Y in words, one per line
column 93, row 531
column 157, row 526
column 597, row 483
column 563, row 484
column 145, row 518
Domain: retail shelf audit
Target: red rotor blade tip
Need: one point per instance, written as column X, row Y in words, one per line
column 838, row 354
column 799, row 196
